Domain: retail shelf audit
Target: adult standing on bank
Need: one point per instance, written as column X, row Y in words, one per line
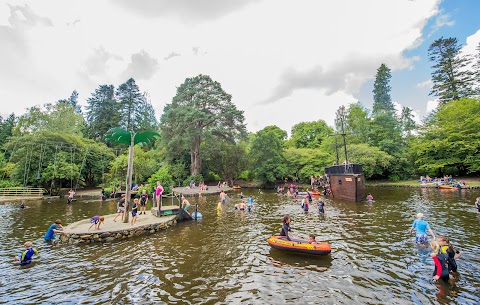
column 421, row 227
column 158, row 194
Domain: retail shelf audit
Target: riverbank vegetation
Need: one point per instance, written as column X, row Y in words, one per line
column 203, row 136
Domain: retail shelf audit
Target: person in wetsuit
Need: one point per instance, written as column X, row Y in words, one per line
column 441, row 262
column 25, row 257
column 321, row 207
column 447, row 248
column 286, row 227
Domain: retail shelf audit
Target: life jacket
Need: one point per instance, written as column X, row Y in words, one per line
column 27, row 256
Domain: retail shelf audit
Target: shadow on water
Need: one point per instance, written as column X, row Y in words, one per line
column 225, row 258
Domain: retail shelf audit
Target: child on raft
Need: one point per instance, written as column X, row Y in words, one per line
column 447, row 248
column 311, row 240
column 96, row 221
column 441, row 262
column 285, row 231
column 134, row 211
column 54, row 228
column 25, row 257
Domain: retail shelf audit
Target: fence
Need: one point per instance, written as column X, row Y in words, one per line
column 22, row 192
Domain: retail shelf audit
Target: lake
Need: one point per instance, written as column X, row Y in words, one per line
column 225, row 258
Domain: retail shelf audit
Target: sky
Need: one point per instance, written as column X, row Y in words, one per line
column 283, row 62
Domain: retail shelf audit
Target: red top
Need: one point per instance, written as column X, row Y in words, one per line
column 438, row 266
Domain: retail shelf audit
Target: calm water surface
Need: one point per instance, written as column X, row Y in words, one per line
column 225, row 259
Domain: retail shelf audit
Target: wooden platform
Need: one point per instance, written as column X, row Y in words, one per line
column 171, row 210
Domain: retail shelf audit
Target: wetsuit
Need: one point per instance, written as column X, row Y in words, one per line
column 321, row 206
column 441, row 266
column 305, row 206
column 452, row 264
column 143, row 200
column 26, row 256
column 285, row 230
column 50, row 235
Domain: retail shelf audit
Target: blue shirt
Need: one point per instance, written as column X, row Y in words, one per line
column 27, row 255
column 421, row 225
column 50, row 235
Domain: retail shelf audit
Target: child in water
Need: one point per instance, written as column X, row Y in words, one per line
column 477, row 204
column 441, row 262
column 321, row 207
column 286, row 227
column 54, row 228
column 369, row 198
column 447, row 248
column 305, row 204
column 250, row 204
column 312, row 240
column 96, row 221
column 26, row 256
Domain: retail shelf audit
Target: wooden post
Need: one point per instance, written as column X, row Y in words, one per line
column 129, row 177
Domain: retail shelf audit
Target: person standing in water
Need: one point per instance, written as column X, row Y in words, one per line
column 421, row 227
column 477, row 204
column 369, row 198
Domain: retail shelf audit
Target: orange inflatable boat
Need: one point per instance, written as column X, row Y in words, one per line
column 299, row 245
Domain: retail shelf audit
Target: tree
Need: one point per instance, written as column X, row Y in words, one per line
column 6, row 128
column 102, row 112
column 266, row 155
column 122, row 136
column 382, row 102
column 302, row 163
column 226, row 159
column 374, row 161
column 450, row 143
column 200, row 108
column 310, row 134
column 408, row 124
column 451, row 81
column 384, row 128
column 476, row 72
column 357, row 124
column 135, row 112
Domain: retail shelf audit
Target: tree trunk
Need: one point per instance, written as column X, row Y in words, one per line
column 129, row 178
column 195, row 157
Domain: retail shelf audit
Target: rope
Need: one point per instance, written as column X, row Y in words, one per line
column 40, row 161
column 25, row 171
column 81, row 168
column 54, row 169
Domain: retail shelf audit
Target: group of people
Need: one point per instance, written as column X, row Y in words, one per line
column 305, row 204
column 443, row 252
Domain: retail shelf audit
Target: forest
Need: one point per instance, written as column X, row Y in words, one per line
column 203, row 136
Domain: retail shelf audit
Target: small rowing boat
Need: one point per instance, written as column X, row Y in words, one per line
column 299, row 245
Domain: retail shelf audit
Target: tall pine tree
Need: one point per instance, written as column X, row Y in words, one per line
column 451, row 81
column 102, row 112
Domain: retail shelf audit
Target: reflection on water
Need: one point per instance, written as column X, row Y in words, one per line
column 225, row 258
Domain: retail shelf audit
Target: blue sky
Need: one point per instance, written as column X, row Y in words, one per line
column 457, row 18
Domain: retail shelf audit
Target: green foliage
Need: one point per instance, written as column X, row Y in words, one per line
column 6, row 128
column 164, row 176
column 451, row 79
column 305, row 162
column 374, row 161
column 450, row 143
column 382, row 102
column 310, row 134
column 266, row 155
column 102, row 112
column 197, row 179
column 200, row 109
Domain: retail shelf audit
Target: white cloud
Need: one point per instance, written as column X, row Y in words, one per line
column 426, row 84
column 432, row 105
column 282, row 61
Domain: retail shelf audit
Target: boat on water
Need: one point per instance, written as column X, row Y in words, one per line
column 299, row 245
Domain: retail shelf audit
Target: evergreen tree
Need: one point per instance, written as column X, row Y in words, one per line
column 102, row 112
column 6, row 128
column 382, row 102
column 407, row 122
column 72, row 101
column 136, row 113
column 476, row 71
column 451, row 81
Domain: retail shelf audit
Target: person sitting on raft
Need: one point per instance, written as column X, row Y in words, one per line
column 25, row 257
column 441, row 262
column 447, row 248
column 286, row 227
column 421, row 227
column 312, row 240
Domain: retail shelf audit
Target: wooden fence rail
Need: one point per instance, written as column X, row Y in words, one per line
column 22, row 192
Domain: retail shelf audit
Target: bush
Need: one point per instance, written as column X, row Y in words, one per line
column 9, row 183
column 163, row 175
column 197, row 179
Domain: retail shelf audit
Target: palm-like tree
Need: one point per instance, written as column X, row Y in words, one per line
column 122, row 136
